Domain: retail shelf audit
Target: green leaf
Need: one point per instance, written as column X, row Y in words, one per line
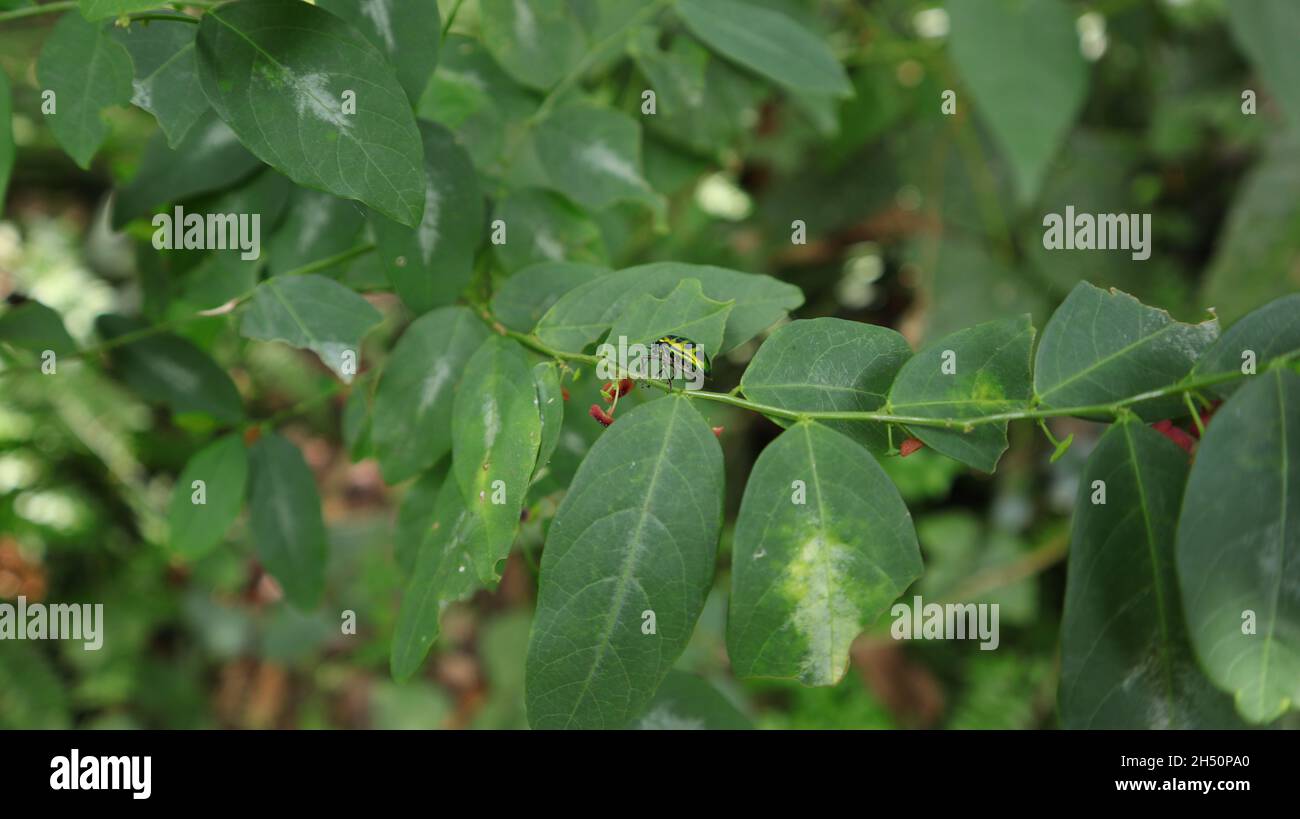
column 209, row 158
column 1269, row 333
column 636, row 533
column 815, row 562
column 550, row 406
column 521, row 300
column 88, row 71
column 285, row 519
column 430, row 265
column 103, row 9
column 536, row 41
column 7, row 149
column 356, row 425
column 413, row 403
column 33, row 326
column 687, row 702
column 415, row 515
column 1126, row 661
column 583, row 314
column 543, row 227
column 317, row 226
column 828, row 364
column 1021, row 62
column 407, row 31
column 222, row 466
column 278, row 72
column 1238, row 538
column 684, row 312
column 593, row 156
column 987, row 374
column 166, row 80
column 170, row 369
column 311, row 313
column 1103, row 346
column 495, row 432
column 1267, row 30
column 444, row 573
column 767, row 42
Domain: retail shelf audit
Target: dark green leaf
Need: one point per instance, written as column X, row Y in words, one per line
column 1271, row 332
column 166, row 76
column 814, row 562
column 408, row 31
column 536, row 41
column 522, row 299
column 316, row 226
column 636, row 534
column 542, row 227
column 6, row 135
column 687, row 702
column 103, row 9
column 1102, row 346
column 413, row 404
column 88, row 71
column 828, row 364
column 167, row 368
column 583, row 314
column 222, row 466
column 495, row 432
column 415, row 515
column 35, row 327
column 989, row 375
column 278, row 73
column 357, row 425
column 550, row 406
column 312, row 313
column 593, row 156
column 285, row 519
column 1238, row 541
column 684, row 312
column 768, row 42
column 1126, row 661
column 431, row 264
column 1267, row 30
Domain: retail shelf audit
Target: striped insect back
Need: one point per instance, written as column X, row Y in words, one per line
column 680, row 359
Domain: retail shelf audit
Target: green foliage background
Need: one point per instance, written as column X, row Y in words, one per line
column 768, row 112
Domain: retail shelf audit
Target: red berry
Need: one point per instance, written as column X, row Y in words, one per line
column 717, row 432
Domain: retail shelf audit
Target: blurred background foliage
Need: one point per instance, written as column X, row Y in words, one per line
column 913, row 223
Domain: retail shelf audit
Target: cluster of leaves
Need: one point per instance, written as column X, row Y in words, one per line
column 485, row 189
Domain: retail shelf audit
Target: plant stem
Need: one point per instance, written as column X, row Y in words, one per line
column 32, row 11
column 451, row 18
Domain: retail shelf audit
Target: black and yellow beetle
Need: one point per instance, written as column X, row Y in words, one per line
column 678, row 354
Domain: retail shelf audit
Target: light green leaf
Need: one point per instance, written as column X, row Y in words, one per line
column 1126, row 661
column 636, row 533
column 278, row 73
column 312, row 313
column 593, row 156
column 444, row 573
column 166, row 80
column 170, row 369
column 1267, row 30
column 430, row 265
column 686, row 702
column 222, row 466
column 1102, row 346
column 407, row 31
column 767, row 42
column 103, row 9
column 33, row 326
column 6, row 135
column 413, row 403
column 814, row 563
column 1271, row 332
column 536, row 41
column 1238, row 541
column 495, row 434
column 1021, row 62
column 583, row 314
column 285, row 519
column 88, row 71
column 684, row 312
column 543, row 227
column 828, row 364
column 973, row 373
column 522, row 299
column 209, row 158
column 550, row 406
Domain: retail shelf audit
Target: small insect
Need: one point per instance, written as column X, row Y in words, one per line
column 681, row 356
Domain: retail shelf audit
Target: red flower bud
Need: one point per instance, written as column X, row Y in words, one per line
column 909, row 446
column 600, row 415
column 717, row 432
